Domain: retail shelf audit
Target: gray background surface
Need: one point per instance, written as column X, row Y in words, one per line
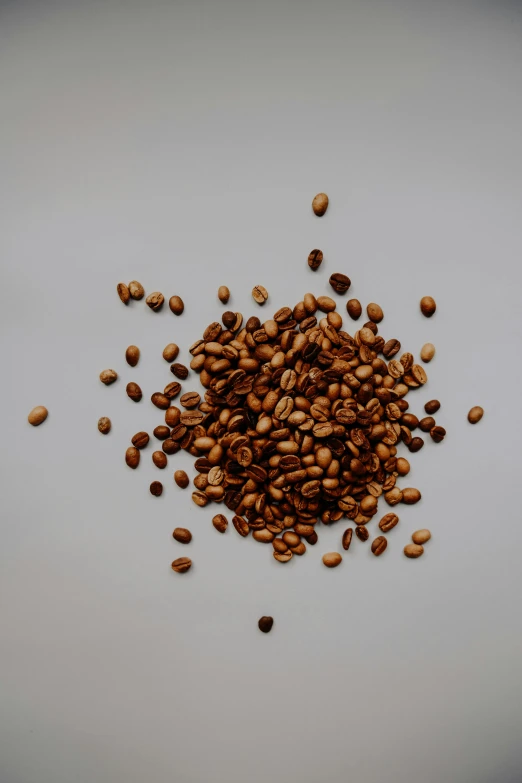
column 181, row 144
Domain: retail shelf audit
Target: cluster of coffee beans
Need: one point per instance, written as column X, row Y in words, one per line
column 155, row 300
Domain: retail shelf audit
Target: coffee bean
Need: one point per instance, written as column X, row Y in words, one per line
column 379, row 544
column 136, row 290
column 419, row 374
column 427, row 352
column 413, row 550
column 402, row 466
column 134, row 392
column 220, row 523
column 416, row 444
column 347, row 538
column 159, row 459
column 156, row 488
column 155, row 301
column 39, row 414
column 315, row 259
column 161, row 432
column 320, row 204
column 170, row 352
column 241, row 526
column 428, row 306
column 108, row 376
column 362, row 533
column 104, row 424
column 375, row 312
column 421, row 536
column 393, row 497
column 123, row 292
column 283, row 557
column 170, row 446
column 229, row 319
column 181, row 565
column 176, row 305
column 223, row 294
column 340, row 283
column 326, row 304
column 182, row 535
column 427, row 423
column 160, row 400
column 410, row 495
column 132, row 457
column 409, row 420
column 265, row 624
column 438, row 434
column 181, row 479
column 140, row 440
column 391, row 348
column 179, row 370
column 475, row 414
column 332, row 559
column 259, row 294
column 132, row 355
column 190, row 400
column 432, row 406
column 388, row 522
column 354, row 308
column 171, row 390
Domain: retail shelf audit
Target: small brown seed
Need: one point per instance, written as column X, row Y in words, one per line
column 241, row 525
column 170, row 352
column 140, row 440
column 182, row 535
column 379, row 544
column 39, row 414
column 391, row 348
column 265, row 624
column 104, row 425
column 162, row 432
column 362, row 533
column 332, row 559
column 134, row 391
column 123, row 292
column 388, row 522
column 132, row 457
column 259, row 294
column 220, row 522
column 156, row 488
column 410, row 495
column 172, row 416
column 179, row 370
column 172, row 390
column 375, row 312
column 108, row 376
column 159, row 458
column 419, row 374
column 181, row 565
column 223, row 294
column 160, row 400
column 347, row 538
column 413, row 550
column 190, row 400
column 427, row 423
column 283, row 557
column 427, row 352
column 181, row 479
column 155, row 301
column 428, row 306
column 320, row 204
column 438, row 434
column 416, row 445
column 402, row 466
column 475, row 414
column 315, row 259
column 421, row 536
column 176, row 305
column 136, row 290
column 340, row 283
column 170, row 446
column 132, row 355
column 326, row 304
column 199, row 498
column 354, row 308
column 432, row 406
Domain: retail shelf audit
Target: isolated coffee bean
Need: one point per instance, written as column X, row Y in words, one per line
column 347, row 538
column 132, row 457
column 421, row 536
column 475, row 414
column 229, row 319
column 134, row 391
column 223, row 294
column 160, row 400
column 415, row 444
column 362, row 533
column 432, row 406
column 136, row 290
column 156, row 488
column 220, row 523
column 427, row 352
column 132, row 355
column 162, row 432
column 340, row 283
column 123, row 292
column 354, row 308
column 104, row 425
column 39, row 414
column 427, row 423
column 108, row 376
column 320, row 204
column 159, row 458
column 176, row 305
column 332, row 559
column 155, row 301
column 181, row 479
column 181, row 565
column 413, row 550
column 438, row 434
column 410, row 495
column 379, row 544
column 315, row 259
column 170, row 352
column 428, row 306
column 259, row 294
column 179, row 370
column 265, row 624
column 388, row 522
column 140, row 440
column 182, row 535
column 375, row 312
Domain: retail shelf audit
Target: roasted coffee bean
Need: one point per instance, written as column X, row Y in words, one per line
column 438, row 434
column 391, row 348
column 332, row 559
column 176, row 305
column 432, row 406
column 259, row 294
column 340, row 283
column 179, row 370
column 375, row 312
column 347, row 538
column 170, row 352
column 415, row 444
column 427, row 423
column 104, row 424
column 123, row 292
column 315, row 259
column 200, row 499
column 170, row 446
column 172, row 415
column 362, row 533
column 475, row 414
column 320, row 204
column 413, row 550
column 220, row 523
column 265, row 624
column 156, row 488
column 402, row 466
column 241, row 525
column 160, row 400
column 181, row 479
column 427, row 352
column 419, row 374
column 190, row 400
column 354, row 308
column 140, row 440
column 409, row 420
column 283, row 557
column 136, row 290
column 39, row 414
column 181, row 565
column 134, row 391
column 421, row 536
column 393, row 497
column 159, row 459
column 155, row 301
column 182, row 535
column 379, row 544
column 132, row 457
column 410, row 495
column 223, row 294
column 388, row 522
column 108, row 376
column 132, row 355
column 427, row 306
column 229, row 319
column 326, row 304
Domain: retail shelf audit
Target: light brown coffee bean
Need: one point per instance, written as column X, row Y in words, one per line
column 159, row 458
column 421, row 536
column 156, row 488
column 190, row 400
column 220, row 522
column 282, row 557
column 132, row 457
column 123, row 293
column 427, row 423
column 132, row 355
column 181, row 565
column 170, row 352
column 326, row 304
column 340, row 283
column 432, row 406
column 140, row 440
column 475, row 414
column 108, row 376
column 134, row 391
column 320, row 204
column 315, row 259
column 427, row 352
column 402, row 466
column 155, row 301
column 259, row 294
column 419, row 374
column 332, row 559
column 388, row 522
column 199, row 498
column 379, row 544
column 410, row 495
column 136, row 290
column 223, row 294
column 427, row 306
column 182, row 535
column 347, row 538
column 170, row 446
column 181, row 479
column 391, row 348
column 160, row 400
column 393, row 497
column 104, row 425
column 39, row 414
column 413, row 550
column 438, row 434
column 162, row 432
column 265, row 624
column 362, row 533
column 264, row 536
column 176, row 305
column 241, row 525
column 375, row 312
column 354, row 308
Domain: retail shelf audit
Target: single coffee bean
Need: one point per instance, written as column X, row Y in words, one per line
column 132, row 457
column 332, row 559
column 421, row 536
column 402, row 466
column 438, row 434
column 200, row 499
column 409, row 420
column 375, row 312
column 265, row 624
column 241, row 525
column 354, row 308
column 181, row 479
column 179, row 370
column 223, row 294
column 229, row 319
column 108, row 376
column 347, row 538
column 134, row 391
column 283, row 557
column 419, row 374
column 136, row 290
column 140, row 440
column 155, row 301
column 413, row 550
column 123, row 292
column 159, row 458
column 172, row 390
column 172, row 416
column 340, row 283
column 416, row 444
column 427, row 352
column 181, row 565
column 410, row 495
column 326, row 304
column 475, row 414
column 427, row 423
column 170, row 446
column 428, row 306
column 220, row 523
column 182, row 535
column 391, row 348
column 190, row 400
column 170, row 352
column 388, row 522
column 320, row 204
column 132, row 355
column 162, row 432
column 160, row 400
column 362, row 533
column 393, row 497
column 432, row 406
column 379, row 544
column 39, row 414
column 176, row 305
column 104, row 425
column 315, row 259
column 259, row 294
column 156, row 488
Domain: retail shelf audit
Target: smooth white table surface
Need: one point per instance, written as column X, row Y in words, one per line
column 181, row 144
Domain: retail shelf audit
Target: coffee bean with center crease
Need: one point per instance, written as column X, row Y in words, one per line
column 220, row 523
column 134, row 392
column 362, row 533
column 190, row 399
column 123, row 292
column 315, row 259
column 176, row 305
column 432, row 406
column 179, row 370
column 200, row 499
column 181, row 565
column 172, row 390
column 265, row 624
column 379, row 544
column 241, row 526
column 160, row 400
column 140, row 440
column 155, row 301
column 438, row 434
column 340, row 283
column 259, row 294
column 347, row 538
column 388, row 522
column 391, row 348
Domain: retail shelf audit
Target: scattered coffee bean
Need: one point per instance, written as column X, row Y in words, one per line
column 104, row 425
column 140, row 440
column 176, row 305
column 315, row 259
column 181, row 479
column 161, row 432
column 159, row 458
column 413, row 550
column 438, row 434
column 320, row 204
column 354, row 308
column 388, row 522
column 427, row 352
column 428, row 306
column 427, row 423
column 340, row 283
column 170, row 352
column 259, row 294
column 160, row 400
column 123, row 292
column 199, row 498
column 402, row 466
column 172, row 390
column 156, row 488
column 223, row 294
column 347, row 538
column 155, row 301
column 379, row 544
column 220, row 523
column 136, row 290
column 410, row 495
column 39, row 414
column 475, row 414
column 132, row 457
column 391, row 348
column 241, row 525
column 362, row 533
column 421, row 536
column 134, row 391
column 416, row 444
column 181, row 565
column 190, row 400
column 108, row 376
column 375, row 312
column 432, row 406
column 182, row 535
column 132, row 355
column 332, row 559
column 265, row 624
